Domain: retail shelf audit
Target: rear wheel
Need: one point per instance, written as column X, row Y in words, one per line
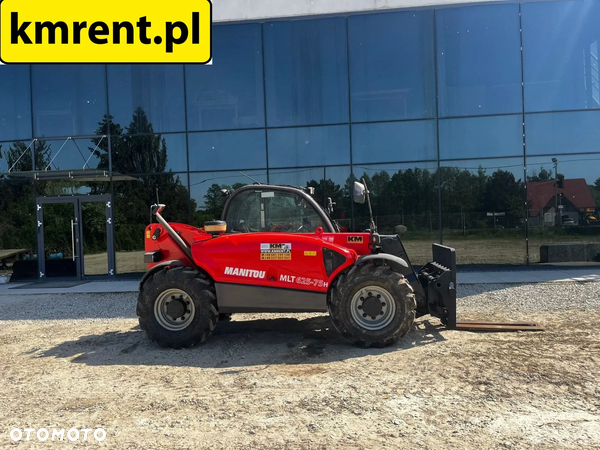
column 177, row 307
column 372, row 306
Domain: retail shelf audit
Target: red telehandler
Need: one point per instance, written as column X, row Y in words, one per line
column 277, row 250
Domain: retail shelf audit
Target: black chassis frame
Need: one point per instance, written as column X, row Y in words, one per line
column 434, row 285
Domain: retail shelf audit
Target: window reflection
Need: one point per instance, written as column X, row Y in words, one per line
column 482, row 210
column 226, row 150
column 560, row 50
column 572, row 132
column 132, row 201
column 479, row 60
column 563, row 200
column 18, row 228
column 157, row 89
column 481, row 137
column 67, row 154
column 404, row 201
column 328, row 182
column 306, row 72
column 16, row 156
column 205, row 190
column 394, row 141
column 392, row 66
column 309, row 146
column 68, row 100
column 229, row 93
column 15, row 103
column 149, row 153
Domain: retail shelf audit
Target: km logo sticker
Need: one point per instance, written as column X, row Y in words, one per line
column 355, row 240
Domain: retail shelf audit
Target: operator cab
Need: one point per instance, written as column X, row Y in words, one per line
column 265, row 208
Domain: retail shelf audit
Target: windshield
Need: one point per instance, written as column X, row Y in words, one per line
column 272, row 210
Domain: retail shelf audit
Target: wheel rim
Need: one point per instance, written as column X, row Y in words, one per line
column 373, row 308
column 174, row 310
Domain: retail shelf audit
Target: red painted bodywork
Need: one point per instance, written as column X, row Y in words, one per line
column 219, row 256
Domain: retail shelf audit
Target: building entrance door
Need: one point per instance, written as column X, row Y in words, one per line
column 75, row 237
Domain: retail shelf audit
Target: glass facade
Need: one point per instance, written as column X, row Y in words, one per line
column 475, row 125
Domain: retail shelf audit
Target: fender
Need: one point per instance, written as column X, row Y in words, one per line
column 397, row 263
column 158, row 267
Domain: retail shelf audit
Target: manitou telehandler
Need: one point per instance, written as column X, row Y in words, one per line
column 276, row 250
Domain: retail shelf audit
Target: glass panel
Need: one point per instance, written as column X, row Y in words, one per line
column 56, row 188
column 394, row 141
column 149, row 154
column 95, row 243
column 59, row 240
column 272, row 211
column 392, row 66
column 329, row 182
column 482, row 208
column 306, row 72
column 481, row 137
column 15, row 103
column 479, row 60
column 560, row 51
column 67, row 154
column 553, row 133
column 68, row 100
column 227, row 150
column 205, row 190
column 309, row 146
column 404, row 200
column 229, row 93
column 576, row 197
column 132, row 201
column 18, row 229
column 157, row 90
column 16, row 156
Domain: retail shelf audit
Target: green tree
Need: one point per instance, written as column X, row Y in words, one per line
column 505, row 194
column 543, row 175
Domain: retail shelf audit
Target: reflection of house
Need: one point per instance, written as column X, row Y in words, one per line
column 574, row 197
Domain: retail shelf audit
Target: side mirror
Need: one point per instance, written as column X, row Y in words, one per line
column 358, row 193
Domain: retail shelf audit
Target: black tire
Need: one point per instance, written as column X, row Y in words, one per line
column 400, row 315
column 196, row 291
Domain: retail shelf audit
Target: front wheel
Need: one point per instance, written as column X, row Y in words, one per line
column 372, row 306
column 177, row 307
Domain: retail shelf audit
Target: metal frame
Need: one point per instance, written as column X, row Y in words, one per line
column 77, row 231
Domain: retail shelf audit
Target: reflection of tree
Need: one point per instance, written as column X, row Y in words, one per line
column 17, row 214
column 543, row 175
column 214, row 201
column 17, row 206
column 595, row 189
column 19, row 156
column 136, row 150
column 325, row 189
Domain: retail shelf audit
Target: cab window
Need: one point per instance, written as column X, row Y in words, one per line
column 264, row 210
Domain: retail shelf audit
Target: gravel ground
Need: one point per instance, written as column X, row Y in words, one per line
column 289, row 381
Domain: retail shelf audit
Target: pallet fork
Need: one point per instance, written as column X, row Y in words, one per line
column 435, row 290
